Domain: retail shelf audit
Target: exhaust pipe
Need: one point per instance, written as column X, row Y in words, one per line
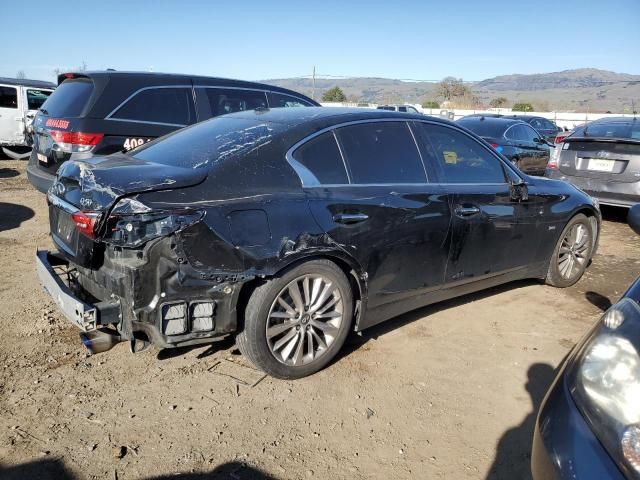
column 98, row 341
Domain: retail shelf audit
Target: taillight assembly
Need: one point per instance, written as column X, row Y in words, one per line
column 132, row 223
column 75, row 141
column 86, row 222
column 554, row 160
column 559, row 138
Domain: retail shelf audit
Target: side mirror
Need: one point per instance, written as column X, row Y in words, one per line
column 539, row 140
column 519, row 192
column 633, row 218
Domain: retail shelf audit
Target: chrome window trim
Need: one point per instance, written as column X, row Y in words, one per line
column 250, row 89
column 305, row 172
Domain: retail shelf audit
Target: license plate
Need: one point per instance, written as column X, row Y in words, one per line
column 42, row 158
column 64, row 229
column 601, row 165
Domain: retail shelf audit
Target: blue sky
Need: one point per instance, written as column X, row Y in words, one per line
column 275, row 39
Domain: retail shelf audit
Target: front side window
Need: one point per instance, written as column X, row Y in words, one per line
column 171, row 106
column 8, row 97
column 35, row 98
column 412, row 110
column 229, row 100
column 321, row 157
column 381, row 152
column 457, row 157
column 279, row 100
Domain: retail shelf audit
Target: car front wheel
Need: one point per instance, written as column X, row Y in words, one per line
column 572, row 253
column 295, row 324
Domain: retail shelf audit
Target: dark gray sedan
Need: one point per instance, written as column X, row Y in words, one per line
column 603, row 159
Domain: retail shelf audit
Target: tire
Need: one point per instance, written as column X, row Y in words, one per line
column 572, row 255
column 315, row 333
column 17, row 153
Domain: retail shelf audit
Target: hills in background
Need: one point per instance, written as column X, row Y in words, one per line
column 585, row 89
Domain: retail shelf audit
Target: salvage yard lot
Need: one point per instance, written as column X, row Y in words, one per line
column 448, row 391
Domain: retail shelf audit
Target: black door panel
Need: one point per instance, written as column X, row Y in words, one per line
column 403, row 242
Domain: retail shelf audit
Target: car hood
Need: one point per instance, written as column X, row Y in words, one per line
column 96, row 183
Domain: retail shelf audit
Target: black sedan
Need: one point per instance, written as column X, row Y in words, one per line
column 514, row 139
column 589, row 423
column 289, row 228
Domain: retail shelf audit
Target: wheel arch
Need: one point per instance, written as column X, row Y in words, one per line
column 355, row 275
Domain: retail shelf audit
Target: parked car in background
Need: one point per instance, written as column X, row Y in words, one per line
column 546, row 127
column 19, row 101
column 588, row 426
column 513, row 138
column 289, row 228
column 603, row 159
column 108, row 111
column 542, row 125
column 399, row 108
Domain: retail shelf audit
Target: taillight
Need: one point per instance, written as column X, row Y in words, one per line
column 554, row 161
column 86, row 222
column 75, row 141
column 559, row 138
column 131, row 223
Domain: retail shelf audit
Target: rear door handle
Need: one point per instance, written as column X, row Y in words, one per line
column 466, row 211
column 350, row 218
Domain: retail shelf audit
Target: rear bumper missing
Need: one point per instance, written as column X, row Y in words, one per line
column 52, row 269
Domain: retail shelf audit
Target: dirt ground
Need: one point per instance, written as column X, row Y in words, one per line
column 448, row 391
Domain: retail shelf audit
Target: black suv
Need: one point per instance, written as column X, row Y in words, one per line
column 105, row 112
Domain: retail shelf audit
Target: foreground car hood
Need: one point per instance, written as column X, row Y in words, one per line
column 96, row 183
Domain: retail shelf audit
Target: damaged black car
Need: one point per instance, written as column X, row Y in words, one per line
column 289, row 228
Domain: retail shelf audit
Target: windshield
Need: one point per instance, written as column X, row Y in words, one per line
column 612, row 130
column 69, row 99
column 207, row 143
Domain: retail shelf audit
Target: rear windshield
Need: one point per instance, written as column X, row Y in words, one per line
column 612, row 130
column 69, row 99
column 206, row 143
column 483, row 128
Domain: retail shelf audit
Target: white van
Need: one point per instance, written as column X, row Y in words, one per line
column 19, row 101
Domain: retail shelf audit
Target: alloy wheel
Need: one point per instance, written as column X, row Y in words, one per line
column 573, row 254
column 304, row 320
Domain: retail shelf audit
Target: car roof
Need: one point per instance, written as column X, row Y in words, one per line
column 491, row 120
column 173, row 78
column 335, row 115
column 27, row 83
column 628, row 120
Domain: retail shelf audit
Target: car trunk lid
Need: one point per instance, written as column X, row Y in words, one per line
column 85, row 191
column 609, row 159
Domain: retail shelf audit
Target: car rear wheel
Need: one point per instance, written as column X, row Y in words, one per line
column 572, row 253
column 295, row 324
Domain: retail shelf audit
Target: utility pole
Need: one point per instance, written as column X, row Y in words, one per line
column 313, row 91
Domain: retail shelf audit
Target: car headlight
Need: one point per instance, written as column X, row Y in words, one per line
column 605, row 384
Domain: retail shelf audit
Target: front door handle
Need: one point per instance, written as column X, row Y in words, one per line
column 350, row 218
column 466, row 211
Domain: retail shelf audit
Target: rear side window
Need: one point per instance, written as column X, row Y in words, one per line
column 321, row 157
column 8, row 97
column 278, row 100
column 36, row 98
column 517, row 132
column 381, row 152
column 171, row 106
column 457, row 157
column 69, row 99
column 229, row 100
